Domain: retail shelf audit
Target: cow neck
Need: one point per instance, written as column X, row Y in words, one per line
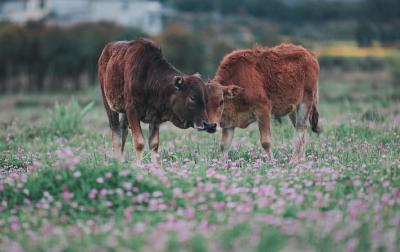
column 163, row 85
column 171, row 91
column 229, row 105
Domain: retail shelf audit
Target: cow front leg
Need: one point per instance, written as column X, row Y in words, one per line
column 154, row 139
column 137, row 135
column 264, row 125
column 226, row 140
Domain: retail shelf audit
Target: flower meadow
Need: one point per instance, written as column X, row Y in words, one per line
column 66, row 192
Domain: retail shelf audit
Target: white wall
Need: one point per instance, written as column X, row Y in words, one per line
column 143, row 14
column 146, row 15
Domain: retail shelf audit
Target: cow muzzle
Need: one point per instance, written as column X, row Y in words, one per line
column 206, row 126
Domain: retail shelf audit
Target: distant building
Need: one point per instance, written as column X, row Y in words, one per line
column 146, row 15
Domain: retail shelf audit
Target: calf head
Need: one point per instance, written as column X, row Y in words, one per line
column 217, row 96
column 189, row 103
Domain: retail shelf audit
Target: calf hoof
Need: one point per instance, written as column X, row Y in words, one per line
column 138, row 163
column 267, row 149
column 296, row 159
column 225, row 156
column 118, row 154
column 293, row 160
column 155, row 158
column 270, row 155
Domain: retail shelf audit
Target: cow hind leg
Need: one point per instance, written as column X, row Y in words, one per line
column 114, row 123
column 124, row 131
column 115, row 133
column 292, row 117
column 300, row 137
column 137, row 134
column 314, row 117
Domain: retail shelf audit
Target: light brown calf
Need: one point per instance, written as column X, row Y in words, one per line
column 254, row 84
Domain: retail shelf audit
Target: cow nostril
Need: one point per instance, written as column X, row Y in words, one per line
column 212, row 129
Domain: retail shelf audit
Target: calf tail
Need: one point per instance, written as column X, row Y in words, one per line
column 314, row 120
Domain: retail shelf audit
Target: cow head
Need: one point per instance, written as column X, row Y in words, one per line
column 217, row 96
column 189, row 103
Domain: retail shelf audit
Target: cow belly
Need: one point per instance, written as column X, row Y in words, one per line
column 244, row 119
column 233, row 118
column 283, row 110
column 284, row 106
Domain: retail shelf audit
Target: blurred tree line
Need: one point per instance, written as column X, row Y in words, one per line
column 381, row 21
column 38, row 57
column 306, row 10
column 376, row 19
column 48, row 57
column 271, row 9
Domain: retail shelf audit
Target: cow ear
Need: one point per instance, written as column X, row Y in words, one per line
column 179, row 81
column 232, row 91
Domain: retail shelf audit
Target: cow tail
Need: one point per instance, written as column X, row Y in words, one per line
column 314, row 120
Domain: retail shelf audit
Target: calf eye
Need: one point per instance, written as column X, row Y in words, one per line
column 191, row 100
column 221, row 103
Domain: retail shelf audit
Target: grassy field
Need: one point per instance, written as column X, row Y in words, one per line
column 60, row 189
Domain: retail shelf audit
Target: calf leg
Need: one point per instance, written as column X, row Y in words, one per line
column 115, row 132
column 292, row 117
column 113, row 118
column 124, row 130
column 226, row 139
column 154, row 138
column 300, row 138
column 137, row 135
column 114, row 123
column 264, row 125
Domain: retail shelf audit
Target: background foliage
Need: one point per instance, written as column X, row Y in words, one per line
column 36, row 56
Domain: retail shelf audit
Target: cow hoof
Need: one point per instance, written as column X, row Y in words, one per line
column 138, row 163
column 117, row 154
column 296, row 160
column 225, row 156
column 154, row 158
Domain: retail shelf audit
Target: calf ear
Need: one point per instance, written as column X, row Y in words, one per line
column 232, row 91
column 179, row 81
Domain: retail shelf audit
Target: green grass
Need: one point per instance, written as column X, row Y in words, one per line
column 60, row 188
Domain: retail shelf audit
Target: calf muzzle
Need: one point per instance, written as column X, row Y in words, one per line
column 209, row 127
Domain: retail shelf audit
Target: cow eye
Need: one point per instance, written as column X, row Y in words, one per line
column 221, row 103
column 191, row 99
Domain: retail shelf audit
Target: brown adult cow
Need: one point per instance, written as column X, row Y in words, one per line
column 265, row 81
column 139, row 84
